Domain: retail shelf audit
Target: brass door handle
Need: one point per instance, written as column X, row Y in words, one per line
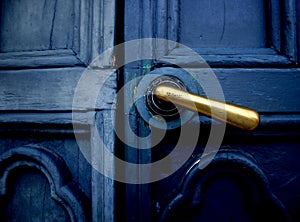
column 234, row 115
column 171, row 96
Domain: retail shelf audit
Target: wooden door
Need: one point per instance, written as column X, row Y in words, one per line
column 253, row 49
column 45, row 47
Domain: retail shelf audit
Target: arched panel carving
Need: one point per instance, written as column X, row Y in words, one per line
column 45, row 170
column 231, row 188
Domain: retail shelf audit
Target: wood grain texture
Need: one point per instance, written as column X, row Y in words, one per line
column 36, row 25
column 173, row 20
column 53, row 89
column 215, row 24
column 289, row 28
column 55, row 33
column 26, row 191
column 140, row 193
column 166, row 24
column 104, row 197
column 161, row 24
column 38, row 59
column 103, row 31
column 276, row 28
column 56, row 181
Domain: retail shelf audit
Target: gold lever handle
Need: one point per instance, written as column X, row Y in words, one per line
column 238, row 116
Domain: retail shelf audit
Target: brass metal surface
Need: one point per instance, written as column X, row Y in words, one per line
column 234, row 115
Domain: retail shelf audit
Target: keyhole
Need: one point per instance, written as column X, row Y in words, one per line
column 159, row 107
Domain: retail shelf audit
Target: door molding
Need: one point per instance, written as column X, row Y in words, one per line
column 62, row 186
column 93, row 32
column 235, row 166
column 281, row 39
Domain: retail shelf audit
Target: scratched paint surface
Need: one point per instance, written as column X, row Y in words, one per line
column 215, row 24
column 36, row 25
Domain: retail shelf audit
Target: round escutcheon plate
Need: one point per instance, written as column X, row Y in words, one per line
column 162, row 114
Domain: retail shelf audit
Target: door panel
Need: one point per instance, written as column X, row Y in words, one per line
column 54, row 33
column 227, row 190
column 26, row 173
column 252, row 49
column 214, row 24
column 36, row 25
column 42, row 33
column 45, row 48
column 24, row 188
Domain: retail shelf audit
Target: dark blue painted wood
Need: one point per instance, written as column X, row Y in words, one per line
column 215, row 24
column 255, row 59
column 29, row 171
column 45, row 47
column 231, row 188
column 36, row 25
column 298, row 30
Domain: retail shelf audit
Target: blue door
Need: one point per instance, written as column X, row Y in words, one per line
column 249, row 51
column 45, row 47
